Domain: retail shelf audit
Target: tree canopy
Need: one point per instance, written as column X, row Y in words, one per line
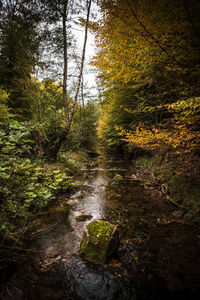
column 148, row 57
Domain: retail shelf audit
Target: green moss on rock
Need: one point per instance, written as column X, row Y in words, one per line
column 100, row 240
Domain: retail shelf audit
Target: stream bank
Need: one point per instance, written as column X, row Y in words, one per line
column 158, row 256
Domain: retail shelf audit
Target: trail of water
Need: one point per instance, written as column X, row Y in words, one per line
column 158, row 257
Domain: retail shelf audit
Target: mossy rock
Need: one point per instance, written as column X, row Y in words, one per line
column 100, row 241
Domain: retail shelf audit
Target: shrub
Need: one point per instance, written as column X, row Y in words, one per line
column 25, row 187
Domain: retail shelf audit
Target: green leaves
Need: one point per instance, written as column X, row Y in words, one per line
column 26, row 184
column 4, row 110
column 189, row 107
column 60, row 181
column 16, row 140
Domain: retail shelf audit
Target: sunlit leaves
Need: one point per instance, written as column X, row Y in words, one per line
column 178, row 136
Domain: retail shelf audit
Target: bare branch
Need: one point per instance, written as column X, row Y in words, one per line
column 151, row 35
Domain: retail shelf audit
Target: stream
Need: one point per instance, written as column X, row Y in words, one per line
column 158, row 257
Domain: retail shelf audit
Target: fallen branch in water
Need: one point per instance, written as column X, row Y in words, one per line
column 44, row 230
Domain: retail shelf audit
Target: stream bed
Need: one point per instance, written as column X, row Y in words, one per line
column 158, row 257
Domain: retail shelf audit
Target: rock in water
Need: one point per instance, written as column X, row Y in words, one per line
column 82, row 218
column 100, row 240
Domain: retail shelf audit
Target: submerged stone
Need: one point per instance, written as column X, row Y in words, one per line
column 100, row 240
column 82, row 218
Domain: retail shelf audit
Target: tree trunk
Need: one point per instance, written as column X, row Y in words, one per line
column 54, row 149
column 65, row 57
column 82, row 90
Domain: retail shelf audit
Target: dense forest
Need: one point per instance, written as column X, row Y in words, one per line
column 146, row 107
column 148, row 56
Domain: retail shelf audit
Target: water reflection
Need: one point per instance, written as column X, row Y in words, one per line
column 92, row 203
column 101, row 198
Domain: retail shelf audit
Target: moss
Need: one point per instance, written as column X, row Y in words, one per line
column 99, row 241
column 100, row 232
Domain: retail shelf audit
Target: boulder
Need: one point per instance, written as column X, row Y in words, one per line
column 100, row 241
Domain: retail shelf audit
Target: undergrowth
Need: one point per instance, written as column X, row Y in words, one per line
column 180, row 175
column 27, row 182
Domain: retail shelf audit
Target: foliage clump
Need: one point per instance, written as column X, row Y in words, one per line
column 148, row 66
column 27, row 184
column 5, row 114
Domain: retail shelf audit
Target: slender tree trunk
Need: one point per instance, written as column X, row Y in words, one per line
column 81, row 68
column 54, row 149
column 65, row 57
column 82, row 94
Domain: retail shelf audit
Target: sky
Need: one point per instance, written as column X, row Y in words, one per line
column 55, row 59
column 89, row 71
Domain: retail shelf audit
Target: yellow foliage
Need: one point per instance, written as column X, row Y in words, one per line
column 179, row 137
column 156, row 55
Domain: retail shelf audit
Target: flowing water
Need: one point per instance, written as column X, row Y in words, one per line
column 158, row 257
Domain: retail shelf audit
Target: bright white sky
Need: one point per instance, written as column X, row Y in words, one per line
column 89, row 71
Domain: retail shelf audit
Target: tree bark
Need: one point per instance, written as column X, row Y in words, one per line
column 82, row 92
column 65, row 57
